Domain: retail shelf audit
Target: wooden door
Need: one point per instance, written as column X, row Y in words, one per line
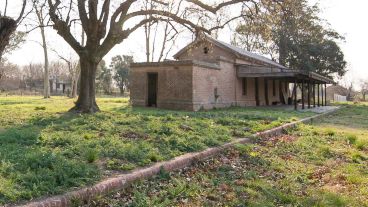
column 152, row 89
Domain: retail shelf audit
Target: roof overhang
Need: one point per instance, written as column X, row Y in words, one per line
column 276, row 73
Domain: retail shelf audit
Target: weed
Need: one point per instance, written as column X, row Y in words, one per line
column 91, row 155
column 352, row 138
column 330, row 132
column 40, row 108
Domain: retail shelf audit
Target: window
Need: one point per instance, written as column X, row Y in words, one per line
column 245, row 86
column 273, row 87
column 205, row 50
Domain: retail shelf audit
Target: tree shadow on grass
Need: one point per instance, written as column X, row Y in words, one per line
column 30, row 169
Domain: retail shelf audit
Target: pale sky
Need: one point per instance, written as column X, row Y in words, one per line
column 348, row 17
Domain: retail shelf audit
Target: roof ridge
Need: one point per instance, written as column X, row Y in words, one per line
column 247, row 53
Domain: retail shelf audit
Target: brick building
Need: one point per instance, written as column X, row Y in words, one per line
column 212, row 74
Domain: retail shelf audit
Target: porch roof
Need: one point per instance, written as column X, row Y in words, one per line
column 253, row 71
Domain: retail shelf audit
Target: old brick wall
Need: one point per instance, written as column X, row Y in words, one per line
column 214, row 52
column 174, row 86
column 207, row 82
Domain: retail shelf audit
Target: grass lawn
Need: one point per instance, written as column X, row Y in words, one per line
column 45, row 151
column 323, row 164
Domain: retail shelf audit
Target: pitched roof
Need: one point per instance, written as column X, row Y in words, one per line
column 233, row 49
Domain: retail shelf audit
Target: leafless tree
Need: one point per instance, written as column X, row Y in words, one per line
column 73, row 70
column 8, row 25
column 40, row 11
column 108, row 23
column 161, row 36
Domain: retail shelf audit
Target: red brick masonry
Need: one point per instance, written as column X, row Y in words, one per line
column 122, row 181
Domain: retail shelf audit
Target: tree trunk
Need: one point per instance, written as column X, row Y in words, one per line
column 46, row 82
column 122, row 90
column 75, row 80
column 86, row 102
column 75, row 87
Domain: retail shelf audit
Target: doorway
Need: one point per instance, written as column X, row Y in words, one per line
column 152, row 89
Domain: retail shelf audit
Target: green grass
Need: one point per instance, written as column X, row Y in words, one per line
column 314, row 165
column 45, row 151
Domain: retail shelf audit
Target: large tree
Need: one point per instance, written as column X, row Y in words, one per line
column 292, row 32
column 108, row 23
column 8, row 25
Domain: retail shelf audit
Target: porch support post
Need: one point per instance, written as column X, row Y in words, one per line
column 318, row 93
column 287, row 92
column 322, row 94
column 314, row 94
column 281, row 95
column 295, row 96
column 266, row 91
column 309, row 94
column 257, row 91
column 325, row 94
column 303, row 101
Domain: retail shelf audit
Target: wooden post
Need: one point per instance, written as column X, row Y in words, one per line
column 287, row 91
column 303, row 104
column 322, row 99
column 257, row 91
column 266, row 91
column 281, row 95
column 325, row 94
column 318, row 93
column 295, row 97
column 309, row 94
column 314, row 95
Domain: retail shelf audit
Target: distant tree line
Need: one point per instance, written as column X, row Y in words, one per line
column 31, row 77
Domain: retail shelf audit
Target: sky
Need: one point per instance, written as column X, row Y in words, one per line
column 348, row 17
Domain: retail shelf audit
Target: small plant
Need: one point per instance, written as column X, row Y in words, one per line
column 91, row 155
column 326, row 152
column 352, row 138
column 127, row 166
column 40, row 108
column 357, row 157
column 242, row 148
column 361, row 145
column 330, row 132
column 88, row 136
column 163, row 174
